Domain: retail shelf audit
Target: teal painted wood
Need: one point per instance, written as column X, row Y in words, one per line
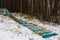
column 39, row 30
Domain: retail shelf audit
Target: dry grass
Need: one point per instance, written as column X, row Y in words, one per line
column 24, row 16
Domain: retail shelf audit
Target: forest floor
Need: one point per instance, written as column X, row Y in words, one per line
column 11, row 30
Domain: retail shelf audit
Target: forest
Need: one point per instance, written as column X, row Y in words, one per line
column 45, row 10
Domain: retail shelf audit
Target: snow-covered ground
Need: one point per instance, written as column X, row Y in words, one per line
column 11, row 30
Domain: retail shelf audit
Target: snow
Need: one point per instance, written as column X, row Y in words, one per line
column 47, row 25
column 11, row 30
